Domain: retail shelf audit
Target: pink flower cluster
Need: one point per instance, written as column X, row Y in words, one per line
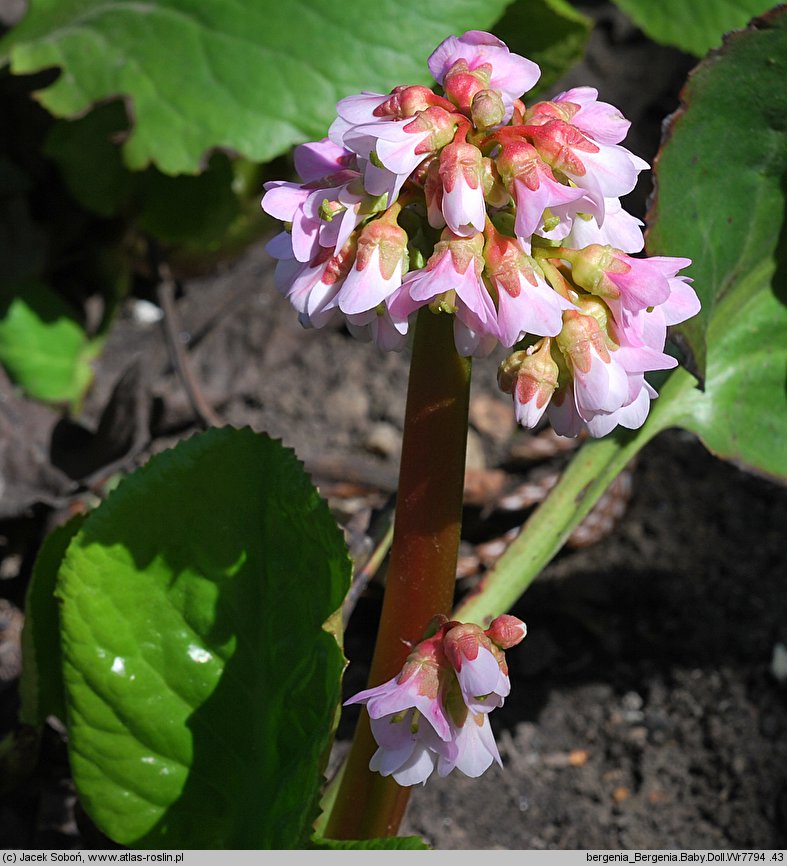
column 435, row 713
column 504, row 216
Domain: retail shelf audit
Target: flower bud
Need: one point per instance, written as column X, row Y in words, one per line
column 461, row 84
column 591, row 266
column 487, row 109
column 506, row 631
column 581, row 340
column 406, row 101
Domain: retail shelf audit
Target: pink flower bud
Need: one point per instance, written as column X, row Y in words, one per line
column 406, row 101
column 461, row 84
column 506, row 631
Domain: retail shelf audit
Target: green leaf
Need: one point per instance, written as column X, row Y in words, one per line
column 693, row 27
column 250, row 78
column 393, row 843
column 43, row 346
column 550, row 32
column 88, row 155
column 188, row 208
column 722, row 201
column 201, row 685
column 185, row 209
column 41, row 685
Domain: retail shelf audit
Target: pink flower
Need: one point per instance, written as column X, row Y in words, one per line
column 531, row 376
column 477, row 61
column 482, row 680
column 604, row 170
column 525, row 302
column 417, row 686
column 379, row 265
column 600, row 381
column 311, row 287
column 323, row 213
column 393, row 149
column 435, row 713
column 531, row 183
column 454, row 272
column 580, row 107
column 625, row 282
column 461, row 172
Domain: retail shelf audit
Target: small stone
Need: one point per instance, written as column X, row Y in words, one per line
column 384, row 439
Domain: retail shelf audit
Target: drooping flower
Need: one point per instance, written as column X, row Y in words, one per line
column 434, row 715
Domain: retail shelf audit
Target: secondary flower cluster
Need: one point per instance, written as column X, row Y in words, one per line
column 435, row 713
column 505, row 216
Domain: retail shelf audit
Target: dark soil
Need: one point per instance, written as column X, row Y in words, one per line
column 646, row 708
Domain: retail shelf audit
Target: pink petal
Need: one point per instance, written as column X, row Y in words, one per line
column 317, row 159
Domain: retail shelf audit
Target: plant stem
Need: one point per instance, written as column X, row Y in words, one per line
column 422, row 570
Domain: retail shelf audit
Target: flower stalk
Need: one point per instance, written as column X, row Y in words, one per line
column 422, row 570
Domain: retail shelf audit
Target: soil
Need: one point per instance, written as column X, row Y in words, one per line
column 649, row 702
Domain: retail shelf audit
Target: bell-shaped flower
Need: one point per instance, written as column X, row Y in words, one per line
column 480, row 667
column 462, row 173
column 477, row 61
column 600, row 381
column 408, row 749
column 451, row 281
column 604, row 170
column 322, row 213
column 416, row 686
column 380, row 263
column 532, row 184
column 476, row 749
column 531, row 377
column 311, row 287
column 526, row 304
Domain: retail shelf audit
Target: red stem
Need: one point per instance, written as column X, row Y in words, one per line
column 422, row 569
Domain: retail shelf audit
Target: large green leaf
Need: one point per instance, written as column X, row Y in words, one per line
column 43, row 346
column 722, row 201
column 201, row 684
column 253, row 78
column 550, row 32
column 695, row 27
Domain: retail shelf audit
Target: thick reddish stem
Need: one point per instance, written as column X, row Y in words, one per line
column 422, row 570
